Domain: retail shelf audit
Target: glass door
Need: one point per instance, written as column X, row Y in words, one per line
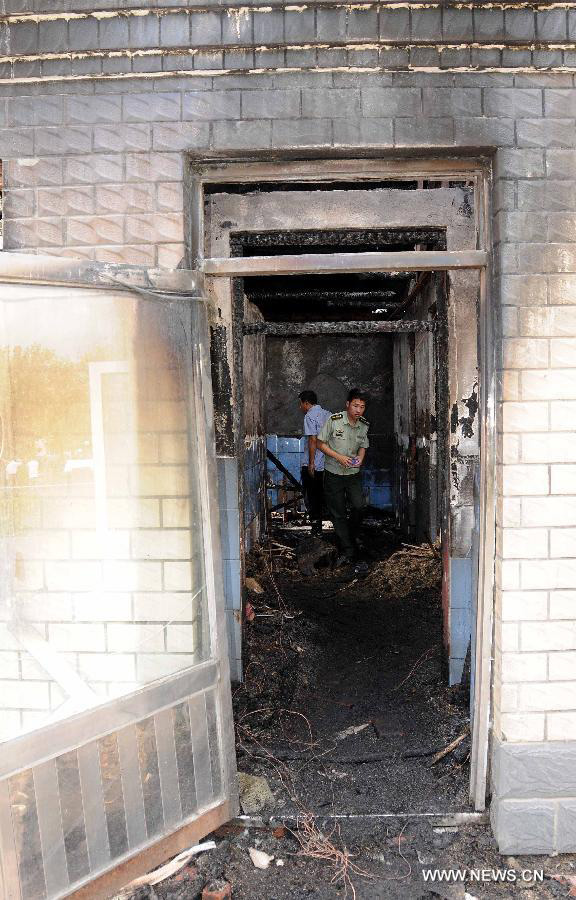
column 115, row 714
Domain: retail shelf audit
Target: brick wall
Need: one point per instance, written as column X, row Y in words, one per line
column 536, row 550
column 94, row 150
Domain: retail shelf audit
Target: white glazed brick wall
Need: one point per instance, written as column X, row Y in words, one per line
column 535, row 616
column 118, row 607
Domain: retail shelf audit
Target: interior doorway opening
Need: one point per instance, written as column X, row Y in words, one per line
column 342, row 347
column 416, row 327
column 383, row 650
column 387, row 333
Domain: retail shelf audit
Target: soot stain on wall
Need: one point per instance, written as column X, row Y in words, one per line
column 465, row 422
column 222, row 389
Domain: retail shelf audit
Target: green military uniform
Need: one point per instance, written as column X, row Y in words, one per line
column 342, row 485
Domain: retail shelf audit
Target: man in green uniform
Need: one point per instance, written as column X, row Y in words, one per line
column 344, row 440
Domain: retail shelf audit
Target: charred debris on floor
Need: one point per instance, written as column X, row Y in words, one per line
column 352, row 749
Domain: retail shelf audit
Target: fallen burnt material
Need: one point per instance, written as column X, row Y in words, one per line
column 327, row 655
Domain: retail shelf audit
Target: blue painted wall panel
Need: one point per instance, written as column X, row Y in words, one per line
column 460, row 614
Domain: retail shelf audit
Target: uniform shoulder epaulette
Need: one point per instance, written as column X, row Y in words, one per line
column 337, row 416
column 365, row 421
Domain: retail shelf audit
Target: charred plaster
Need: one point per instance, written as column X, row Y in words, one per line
column 466, row 209
column 465, row 422
column 222, row 390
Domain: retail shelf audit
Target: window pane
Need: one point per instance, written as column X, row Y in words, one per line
column 103, row 586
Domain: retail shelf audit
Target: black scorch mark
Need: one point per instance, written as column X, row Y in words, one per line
column 465, row 422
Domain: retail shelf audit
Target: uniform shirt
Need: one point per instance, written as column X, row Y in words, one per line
column 313, row 422
column 346, row 439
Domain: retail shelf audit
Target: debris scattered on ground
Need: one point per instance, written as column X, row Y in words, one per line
column 328, row 655
column 405, row 572
column 255, row 794
column 168, row 869
column 312, row 553
column 450, row 748
column 353, row 729
column 249, row 612
column 216, row 890
column 314, row 844
column 253, row 585
column 260, row 859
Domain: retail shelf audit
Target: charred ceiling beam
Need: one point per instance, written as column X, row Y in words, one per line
column 294, row 329
column 339, row 238
column 350, row 298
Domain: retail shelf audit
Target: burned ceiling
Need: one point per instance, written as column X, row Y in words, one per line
column 363, row 296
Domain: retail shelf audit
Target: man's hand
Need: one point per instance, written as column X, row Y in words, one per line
column 346, row 461
column 311, row 469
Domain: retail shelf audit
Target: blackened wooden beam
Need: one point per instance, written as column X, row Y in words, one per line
column 421, row 282
column 288, row 329
column 343, row 297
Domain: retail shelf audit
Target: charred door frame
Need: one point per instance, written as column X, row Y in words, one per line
column 478, row 170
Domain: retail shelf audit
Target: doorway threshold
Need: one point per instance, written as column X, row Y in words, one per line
column 441, row 819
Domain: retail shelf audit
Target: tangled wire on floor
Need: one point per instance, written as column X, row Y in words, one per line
column 316, row 845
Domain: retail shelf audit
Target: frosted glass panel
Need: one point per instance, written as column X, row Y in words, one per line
column 103, row 582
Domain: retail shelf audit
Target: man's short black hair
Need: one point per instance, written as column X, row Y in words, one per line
column 357, row 394
column 308, row 397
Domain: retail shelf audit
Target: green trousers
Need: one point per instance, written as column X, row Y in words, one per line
column 341, row 492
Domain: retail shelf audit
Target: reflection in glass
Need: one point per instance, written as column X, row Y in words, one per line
column 150, row 776
column 27, row 836
column 214, row 742
column 113, row 795
column 185, row 758
column 103, row 583
column 70, row 794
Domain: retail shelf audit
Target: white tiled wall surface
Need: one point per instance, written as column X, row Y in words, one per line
column 535, row 652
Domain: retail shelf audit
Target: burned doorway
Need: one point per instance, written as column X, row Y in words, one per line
column 428, row 462
column 382, row 331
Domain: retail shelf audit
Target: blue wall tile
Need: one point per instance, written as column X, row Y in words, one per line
column 461, row 582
